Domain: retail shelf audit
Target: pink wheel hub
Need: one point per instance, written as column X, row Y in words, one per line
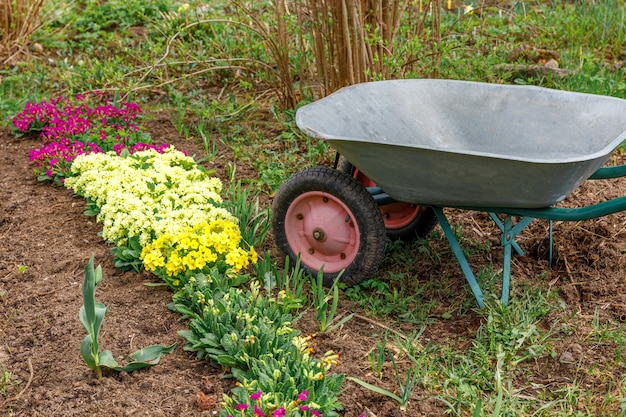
column 322, row 229
column 399, row 215
column 395, row 216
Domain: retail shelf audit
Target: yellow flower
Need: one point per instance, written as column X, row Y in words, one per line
column 254, row 257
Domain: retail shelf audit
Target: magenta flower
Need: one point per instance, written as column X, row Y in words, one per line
column 87, row 123
column 241, row 407
column 258, row 412
column 280, row 412
column 256, row 396
column 316, row 413
column 302, row 395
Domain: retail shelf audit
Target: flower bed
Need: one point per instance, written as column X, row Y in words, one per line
column 163, row 212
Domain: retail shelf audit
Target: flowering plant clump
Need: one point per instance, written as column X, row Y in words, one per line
column 250, row 333
column 292, row 384
column 162, row 211
column 177, row 257
column 71, row 127
column 229, row 326
column 147, row 194
column 163, row 205
column 260, row 405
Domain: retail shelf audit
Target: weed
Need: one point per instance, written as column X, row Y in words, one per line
column 254, row 220
column 376, row 357
column 326, row 303
column 7, row 380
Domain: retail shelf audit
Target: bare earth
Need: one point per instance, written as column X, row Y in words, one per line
column 45, row 242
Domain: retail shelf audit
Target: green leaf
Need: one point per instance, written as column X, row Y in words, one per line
column 99, row 310
column 376, row 389
column 89, row 294
column 106, row 359
column 143, row 358
column 86, row 353
column 228, row 361
column 151, row 353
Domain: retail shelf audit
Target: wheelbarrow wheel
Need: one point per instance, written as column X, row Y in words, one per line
column 403, row 221
column 332, row 222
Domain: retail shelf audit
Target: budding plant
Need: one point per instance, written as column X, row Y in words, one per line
column 91, row 315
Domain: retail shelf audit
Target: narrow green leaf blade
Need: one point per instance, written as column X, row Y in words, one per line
column 376, row 389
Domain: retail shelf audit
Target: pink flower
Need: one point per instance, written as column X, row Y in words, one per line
column 302, row 395
column 256, row 396
column 241, row 407
column 316, row 413
column 280, row 412
column 258, row 411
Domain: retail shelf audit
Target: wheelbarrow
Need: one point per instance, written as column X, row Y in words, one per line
column 418, row 146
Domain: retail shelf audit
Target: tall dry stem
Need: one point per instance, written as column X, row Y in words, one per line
column 19, row 19
column 318, row 46
column 352, row 40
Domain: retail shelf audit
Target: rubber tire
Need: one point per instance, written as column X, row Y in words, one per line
column 420, row 227
column 361, row 208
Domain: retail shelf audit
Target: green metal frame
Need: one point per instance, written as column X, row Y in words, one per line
column 510, row 230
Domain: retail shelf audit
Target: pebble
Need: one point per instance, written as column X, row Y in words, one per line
column 566, row 357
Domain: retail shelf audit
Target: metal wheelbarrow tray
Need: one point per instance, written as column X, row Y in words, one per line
column 457, row 143
column 418, row 146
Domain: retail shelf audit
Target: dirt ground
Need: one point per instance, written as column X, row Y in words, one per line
column 45, row 242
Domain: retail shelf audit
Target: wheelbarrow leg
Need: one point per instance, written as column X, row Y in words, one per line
column 509, row 232
column 458, row 252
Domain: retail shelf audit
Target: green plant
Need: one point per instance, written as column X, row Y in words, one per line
column 289, row 282
column 7, row 380
column 408, row 346
column 210, row 146
column 288, row 385
column 127, row 254
column 91, row 315
column 229, row 325
column 376, row 357
column 252, row 335
column 254, row 221
column 326, row 303
column 406, row 385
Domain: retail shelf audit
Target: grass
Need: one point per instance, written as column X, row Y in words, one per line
column 217, row 77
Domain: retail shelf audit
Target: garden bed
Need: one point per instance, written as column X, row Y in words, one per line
column 45, row 241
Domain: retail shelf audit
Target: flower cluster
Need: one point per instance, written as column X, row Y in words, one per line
column 163, row 211
column 64, row 118
column 85, row 124
column 175, row 256
column 262, row 407
column 147, row 194
column 170, row 204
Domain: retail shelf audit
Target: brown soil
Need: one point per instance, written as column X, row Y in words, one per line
column 45, row 241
